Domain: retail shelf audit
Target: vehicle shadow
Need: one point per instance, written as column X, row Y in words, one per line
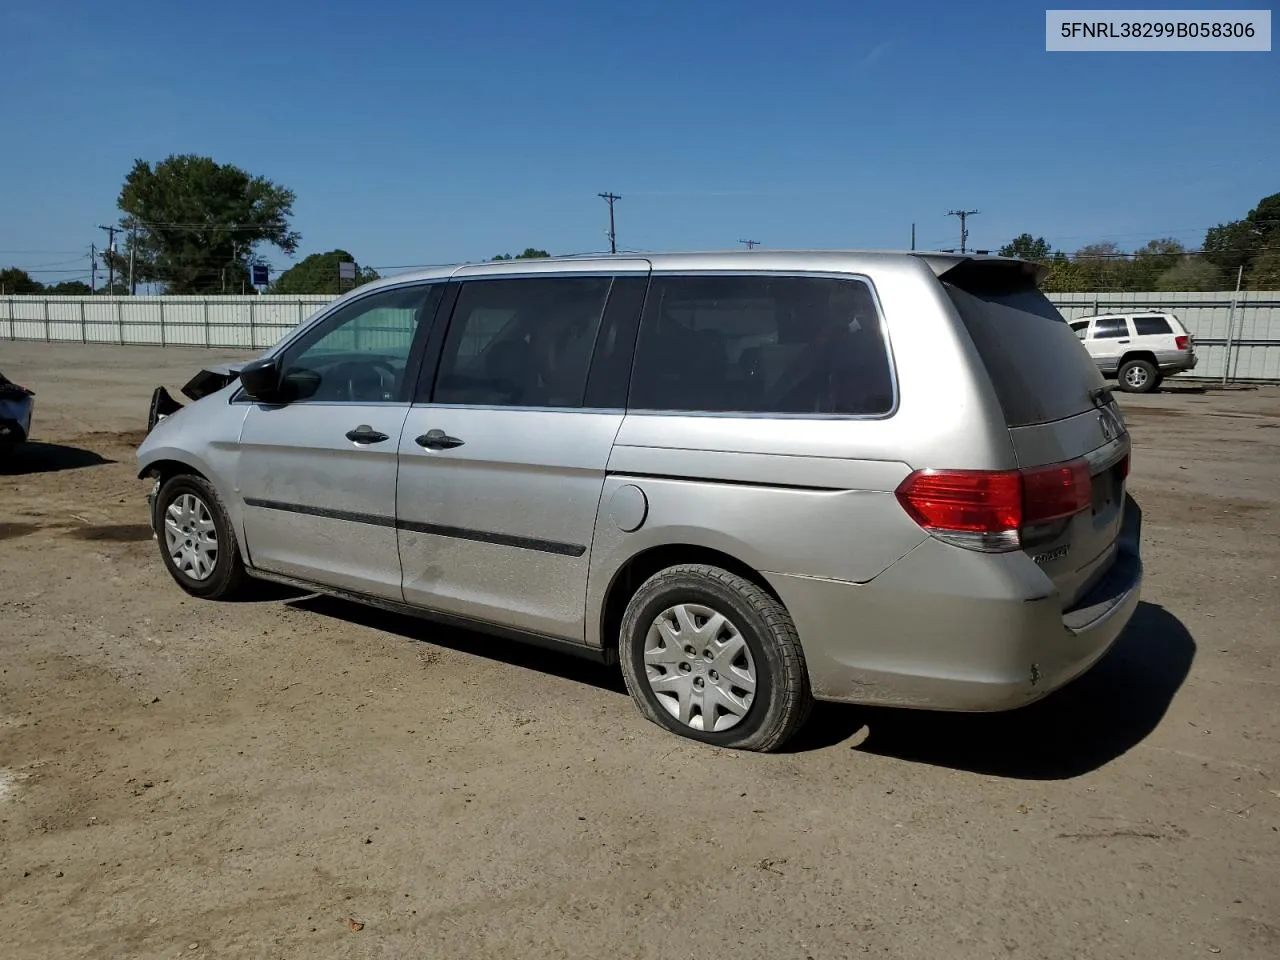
column 268, row 591
column 35, row 457
column 1085, row 725
column 527, row 656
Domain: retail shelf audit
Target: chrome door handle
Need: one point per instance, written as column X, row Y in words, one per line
column 365, row 434
column 437, row 440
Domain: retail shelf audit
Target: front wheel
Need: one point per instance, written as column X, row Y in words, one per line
column 197, row 543
column 1138, row 376
column 709, row 655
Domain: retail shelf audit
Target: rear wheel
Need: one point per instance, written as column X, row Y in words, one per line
column 709, row 655
column 197, row 543
column 1138, row 376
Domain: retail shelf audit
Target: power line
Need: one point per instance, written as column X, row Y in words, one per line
column 611, row 198
column 750, row 243
column 964, row 215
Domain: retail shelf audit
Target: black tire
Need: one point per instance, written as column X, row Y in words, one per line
column 228, row 577
column 1144, row 373
column 782, row 699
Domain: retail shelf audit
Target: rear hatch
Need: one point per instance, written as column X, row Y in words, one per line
column 1060, row 416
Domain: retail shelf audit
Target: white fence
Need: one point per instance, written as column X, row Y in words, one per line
column 1246, row 329
column 248, row 322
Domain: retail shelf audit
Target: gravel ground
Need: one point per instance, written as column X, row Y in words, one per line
column 300, row 777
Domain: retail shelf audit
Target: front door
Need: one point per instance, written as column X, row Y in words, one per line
column 503, row 463
column 317, row 476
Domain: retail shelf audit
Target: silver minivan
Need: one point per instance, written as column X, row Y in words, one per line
column 752, row 479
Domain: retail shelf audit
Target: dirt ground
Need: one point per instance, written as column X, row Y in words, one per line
column 260, row 779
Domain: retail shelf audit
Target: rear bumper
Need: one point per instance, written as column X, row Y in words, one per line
column 1177, row 362
column 947, row 629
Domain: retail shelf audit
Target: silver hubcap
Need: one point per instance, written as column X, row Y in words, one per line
column 1135, row 377
column 699, row 667
column 191, row 537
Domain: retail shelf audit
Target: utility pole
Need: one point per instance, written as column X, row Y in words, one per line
column 133, row 246
column 913, row 236
column 111, row 256
column 750, row 243
column 964, row 231
column 93, row 269
column 610, row 198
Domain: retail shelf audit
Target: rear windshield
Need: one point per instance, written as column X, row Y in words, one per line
column 1037, row 366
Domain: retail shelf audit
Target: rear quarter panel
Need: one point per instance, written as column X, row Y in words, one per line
column 802, row 496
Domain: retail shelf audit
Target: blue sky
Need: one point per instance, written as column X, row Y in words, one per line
column 419, row 133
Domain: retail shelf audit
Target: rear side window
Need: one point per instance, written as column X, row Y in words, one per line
column 1148, row 326
column 1108, row 328
column 761, row 344
column 1031, row 355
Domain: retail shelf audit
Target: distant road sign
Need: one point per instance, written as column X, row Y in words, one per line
column 346, row 270
column 260, row 275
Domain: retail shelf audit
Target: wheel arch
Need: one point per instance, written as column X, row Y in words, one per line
column 165, row 468
column 1130, row 355
column 628, row 578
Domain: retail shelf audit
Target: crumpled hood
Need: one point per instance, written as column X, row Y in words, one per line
column 211, row 379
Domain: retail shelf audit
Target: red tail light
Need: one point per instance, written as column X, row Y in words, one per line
column 1181, row 342
column 987, row 509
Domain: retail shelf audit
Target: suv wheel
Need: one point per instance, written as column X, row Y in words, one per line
column 711, row 656
column 197, row 543
column 1138, row 376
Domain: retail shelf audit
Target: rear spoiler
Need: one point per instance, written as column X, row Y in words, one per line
column 209, row 380
column 965, row 271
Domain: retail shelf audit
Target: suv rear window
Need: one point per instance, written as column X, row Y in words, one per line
column 761, row 344
column 1147, row 326
column 1032, row 357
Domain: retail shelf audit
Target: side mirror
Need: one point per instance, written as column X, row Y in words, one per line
column 261, row 379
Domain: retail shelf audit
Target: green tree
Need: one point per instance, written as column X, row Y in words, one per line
column 318, row 273
column 1062, row 276
column 1100, row 267
column 70, row 288
column 17, row 281
column 1264, row 271
column 1236, row 244
column 530, row 253
column 1191, row 274
column 199, row 222
column 1026, row 247
column 1152, row 260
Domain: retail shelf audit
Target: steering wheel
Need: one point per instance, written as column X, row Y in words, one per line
column 353, row 372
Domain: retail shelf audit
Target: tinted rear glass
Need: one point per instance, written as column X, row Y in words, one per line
column 760, row 344
column 1038, row 369
column 1146, row 326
